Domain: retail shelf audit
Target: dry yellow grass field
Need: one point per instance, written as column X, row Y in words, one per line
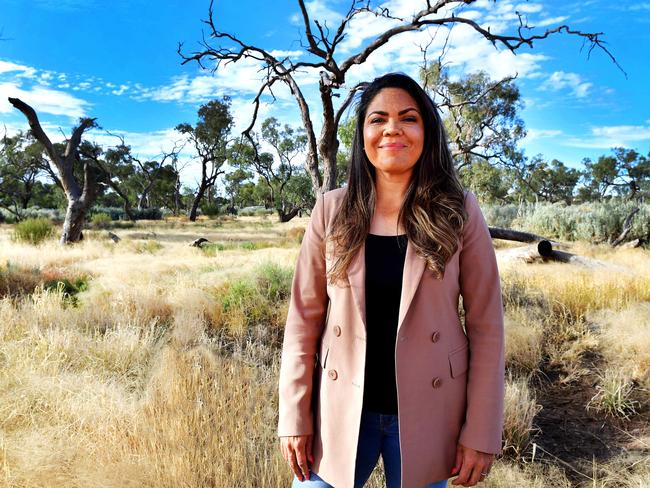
column 161, row 370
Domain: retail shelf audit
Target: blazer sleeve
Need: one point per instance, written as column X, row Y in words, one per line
column 303, row 329
column 481, row 291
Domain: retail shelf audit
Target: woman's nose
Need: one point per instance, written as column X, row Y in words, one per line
column 392, row 127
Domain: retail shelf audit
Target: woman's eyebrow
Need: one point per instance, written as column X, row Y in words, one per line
column 401, row 112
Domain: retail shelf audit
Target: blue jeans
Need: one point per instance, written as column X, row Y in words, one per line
column 379, row 434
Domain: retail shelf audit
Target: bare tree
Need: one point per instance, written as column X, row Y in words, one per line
column 322, row 44
column 80, row 198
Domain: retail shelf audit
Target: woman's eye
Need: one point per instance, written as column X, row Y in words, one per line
column 375, row 120
column 410, row 119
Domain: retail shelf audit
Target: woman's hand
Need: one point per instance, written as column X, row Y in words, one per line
column 296, row 450
column 471, row 464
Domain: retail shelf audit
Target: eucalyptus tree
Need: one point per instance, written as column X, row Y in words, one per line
column 480, row 115
column 80, row 189
column 19, row 169
column 210, row 138
column 282, row 182
column 625, row 173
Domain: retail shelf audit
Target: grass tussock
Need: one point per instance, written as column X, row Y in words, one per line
column 524, row 339
column 257, row 299
column 625, row 339
column 520, row 408
column 16, row 280
column 506, row 474
column 33, row 231
column 630, row 470
column 615, row 394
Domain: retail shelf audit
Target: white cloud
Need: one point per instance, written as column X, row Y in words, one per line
column 529, row 8
column 279, row 53
column 532, row 134
column 320, row 11
column 613, row 136
column 43, row 100
column 23, row 71
column 639, row 6
column 121, row 90
column 549, row 21
column 560, row 80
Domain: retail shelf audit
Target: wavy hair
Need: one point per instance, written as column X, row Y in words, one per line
column 432, row 212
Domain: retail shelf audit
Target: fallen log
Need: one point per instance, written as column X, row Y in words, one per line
column 530, row 254
column 199, row 242
column 544, row 246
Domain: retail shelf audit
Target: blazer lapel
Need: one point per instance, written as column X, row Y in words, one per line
column 413, row 268
column 357, row 279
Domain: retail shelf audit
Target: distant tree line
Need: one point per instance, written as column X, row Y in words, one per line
column 481, row 118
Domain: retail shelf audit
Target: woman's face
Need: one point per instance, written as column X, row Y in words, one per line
column 393, row 132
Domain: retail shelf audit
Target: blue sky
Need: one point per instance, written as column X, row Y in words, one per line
column 117, row 61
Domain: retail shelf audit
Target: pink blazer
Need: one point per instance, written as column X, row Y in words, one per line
column 450, row 378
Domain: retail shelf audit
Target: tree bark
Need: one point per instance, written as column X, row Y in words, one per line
column 79, row 198
column 195, row 204
column 627, row 227
column 286, row 217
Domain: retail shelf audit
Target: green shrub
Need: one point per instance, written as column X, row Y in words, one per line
column 593, row 222
column 500, row 215
column 258, row 299
column 33, row 231
column 68, row 289
column 211, row 249
column 101, row 221
column 210, row 210
column 117, row 213
column 240, row 295
column 255, row 210
column 274, row 281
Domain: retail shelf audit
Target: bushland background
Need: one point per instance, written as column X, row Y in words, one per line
column 129, row 357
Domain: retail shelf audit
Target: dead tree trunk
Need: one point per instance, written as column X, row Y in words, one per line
column 627, row 227
column 79, row 199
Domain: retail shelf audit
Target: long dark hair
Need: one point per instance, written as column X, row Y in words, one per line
column 432, row 213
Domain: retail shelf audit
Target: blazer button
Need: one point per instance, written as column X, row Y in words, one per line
column 332, row 374
column 436, row 382
column 435, row 336
column 337, row 331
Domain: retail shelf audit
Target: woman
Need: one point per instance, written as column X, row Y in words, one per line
column 375, row 360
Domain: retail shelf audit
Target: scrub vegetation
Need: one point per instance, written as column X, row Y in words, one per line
column 149, row 362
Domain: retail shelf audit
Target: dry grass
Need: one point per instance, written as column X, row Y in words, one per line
column 509, row 475
column 524, row 339
column 520, row 408
column 624, row 471
column 575, row 291
column 625, row 338
column 164, row 372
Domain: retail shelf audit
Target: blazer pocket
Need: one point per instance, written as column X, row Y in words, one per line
column 458, row 360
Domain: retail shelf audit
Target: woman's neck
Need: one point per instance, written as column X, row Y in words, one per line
column 390, row 195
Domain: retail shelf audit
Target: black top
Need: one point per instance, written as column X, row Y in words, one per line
column 384, row 267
